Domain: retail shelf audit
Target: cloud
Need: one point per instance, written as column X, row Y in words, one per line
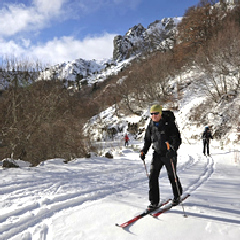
column 14, row 19
column 61, row 49
column 21, row 23
column 10, row 47
column 47, row 7
column 67, row 49
column 17, row 18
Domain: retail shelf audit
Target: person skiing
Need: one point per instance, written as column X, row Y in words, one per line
column 206, row 135
column 165, row 139
column 126, row 140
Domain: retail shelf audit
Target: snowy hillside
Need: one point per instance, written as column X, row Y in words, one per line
column 88, row 71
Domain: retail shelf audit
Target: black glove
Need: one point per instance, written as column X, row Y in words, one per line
column 142, row 155
column 171, row 154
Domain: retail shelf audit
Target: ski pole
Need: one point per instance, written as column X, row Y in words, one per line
column 175, row 177
column 145, row 168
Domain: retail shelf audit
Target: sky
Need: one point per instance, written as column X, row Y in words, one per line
column 59, row 31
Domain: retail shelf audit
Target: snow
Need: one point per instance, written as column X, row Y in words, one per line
column 92, row 70
column 86, row 197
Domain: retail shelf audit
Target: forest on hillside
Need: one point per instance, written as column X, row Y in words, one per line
column 43, row 119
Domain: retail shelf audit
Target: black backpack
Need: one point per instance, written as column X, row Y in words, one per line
column 170, row 119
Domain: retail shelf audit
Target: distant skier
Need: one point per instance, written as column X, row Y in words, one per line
column 126, row 140
column 206, row 135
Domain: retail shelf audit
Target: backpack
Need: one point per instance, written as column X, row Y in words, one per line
column 170, row 119
column 169, row 115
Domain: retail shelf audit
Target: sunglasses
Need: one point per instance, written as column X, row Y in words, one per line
column 155, row 113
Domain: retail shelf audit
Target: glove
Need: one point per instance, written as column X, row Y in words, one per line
column 171, row 154
column 142, row 155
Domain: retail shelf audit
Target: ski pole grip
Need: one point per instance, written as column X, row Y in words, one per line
column 168, row 146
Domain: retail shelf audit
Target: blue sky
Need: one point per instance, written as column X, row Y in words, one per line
column 57, row 31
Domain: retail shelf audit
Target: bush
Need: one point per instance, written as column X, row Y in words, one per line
column 41, row 122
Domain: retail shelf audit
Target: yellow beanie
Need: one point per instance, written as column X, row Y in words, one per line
column 156, row 108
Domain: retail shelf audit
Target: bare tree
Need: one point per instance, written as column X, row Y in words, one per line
column 198, row 26
column 42, row 122
column 220, row 61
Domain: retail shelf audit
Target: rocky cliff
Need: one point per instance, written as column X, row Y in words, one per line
column 159, row 35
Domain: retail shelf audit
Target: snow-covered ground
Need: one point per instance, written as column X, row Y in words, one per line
column 86, row 197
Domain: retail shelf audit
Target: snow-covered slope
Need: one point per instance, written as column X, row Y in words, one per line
column 85, row 198
column 84, row 71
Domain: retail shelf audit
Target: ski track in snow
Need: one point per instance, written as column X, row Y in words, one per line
column 206, row 169
column 98, row 184
column 30, row 206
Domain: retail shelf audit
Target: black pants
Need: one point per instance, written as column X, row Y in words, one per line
column 206, row 145
column 157, row 162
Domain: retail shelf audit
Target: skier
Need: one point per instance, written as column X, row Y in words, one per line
column 206, row 135
column 126, row 140
column 161, row 133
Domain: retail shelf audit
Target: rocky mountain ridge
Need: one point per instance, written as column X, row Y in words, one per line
column 159, row 35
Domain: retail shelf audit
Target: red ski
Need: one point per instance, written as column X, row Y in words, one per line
column 139, row 216
column 165, row 209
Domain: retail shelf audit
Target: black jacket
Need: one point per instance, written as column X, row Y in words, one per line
column 158, row 134
column 206, row 135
